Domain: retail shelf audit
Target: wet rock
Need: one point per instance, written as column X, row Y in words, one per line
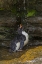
column 6, row 4
column 7, row 21
column 32, row 25
column 32, row 55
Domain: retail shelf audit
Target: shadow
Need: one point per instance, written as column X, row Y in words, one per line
column 5, row 55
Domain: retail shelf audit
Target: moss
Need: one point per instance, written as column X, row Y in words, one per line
column 2, row 36
column 1, row 8
column 13, row 11
column 31, row 13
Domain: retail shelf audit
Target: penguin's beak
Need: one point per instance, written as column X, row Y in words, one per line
column 19, row 29
column 21, row 26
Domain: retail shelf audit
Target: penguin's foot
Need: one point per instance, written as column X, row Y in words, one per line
column 20, row 50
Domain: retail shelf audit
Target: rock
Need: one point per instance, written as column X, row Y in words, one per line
column 33, row 25
column 7, row 21
column 39, row 5
column 31, row 4
column 6, row 4
column 32, row 55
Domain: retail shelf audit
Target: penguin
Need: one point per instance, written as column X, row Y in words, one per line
column 20, row 40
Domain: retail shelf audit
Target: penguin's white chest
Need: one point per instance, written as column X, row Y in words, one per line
column 27, row 37
column 17, row 45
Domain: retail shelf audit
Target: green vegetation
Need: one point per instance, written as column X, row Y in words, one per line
column 1, row 9
column 31, row 13
column 13, row 8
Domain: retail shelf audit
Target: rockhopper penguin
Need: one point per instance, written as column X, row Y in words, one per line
column 20, row 40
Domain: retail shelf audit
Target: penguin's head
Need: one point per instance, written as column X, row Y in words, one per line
column 20, row 29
